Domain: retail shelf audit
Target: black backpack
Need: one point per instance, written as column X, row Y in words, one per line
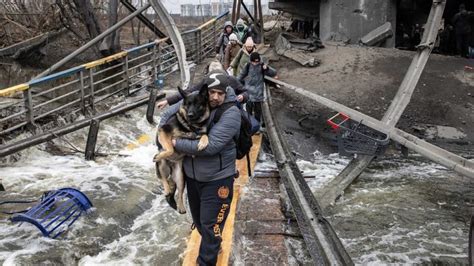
column 244, row 142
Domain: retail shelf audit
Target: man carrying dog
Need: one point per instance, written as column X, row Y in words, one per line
column 210, row 173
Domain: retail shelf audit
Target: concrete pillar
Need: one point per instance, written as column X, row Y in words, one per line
column 348, row 21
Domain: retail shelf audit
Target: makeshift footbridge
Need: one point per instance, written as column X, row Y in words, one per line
column 82, row 90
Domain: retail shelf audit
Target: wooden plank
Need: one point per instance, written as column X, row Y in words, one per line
column 192, row 251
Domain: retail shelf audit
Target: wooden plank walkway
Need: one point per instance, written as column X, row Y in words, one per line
column 194, row 241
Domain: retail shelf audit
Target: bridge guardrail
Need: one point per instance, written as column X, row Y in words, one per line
column 81, row 88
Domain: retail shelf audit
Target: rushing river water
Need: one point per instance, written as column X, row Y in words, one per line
column 399, row 210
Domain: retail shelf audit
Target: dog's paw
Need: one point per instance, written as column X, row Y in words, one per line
column 203, row 142
column 182, row 210
column 157, row 157
column 171, row 201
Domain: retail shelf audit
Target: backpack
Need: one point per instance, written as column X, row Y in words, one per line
column 248, row 127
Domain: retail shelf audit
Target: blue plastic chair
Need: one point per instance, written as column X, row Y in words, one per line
column 56, row 212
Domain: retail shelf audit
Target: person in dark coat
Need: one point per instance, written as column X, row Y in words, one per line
column 462, row 27
column 223, row 40
column 252, row 76
column 209, row 174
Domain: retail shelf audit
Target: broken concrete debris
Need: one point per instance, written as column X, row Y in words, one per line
column 431, row 132
column 378, row 35
column 294, row 48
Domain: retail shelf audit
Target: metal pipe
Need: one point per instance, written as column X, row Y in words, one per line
column 58, row 109
column 109, row 86
column 127, row 75
column 83, row 100
column 143, row 19
column 92, row 42
column 176, row 39
column 260, row 19
column 92, row 139
column 91, row 87
column 13, row 128
column 12, row 116
column 56, row 98
column 56, row 88
column 108, row 68
column 109, row 78
column 249, row 14
column 28, row 104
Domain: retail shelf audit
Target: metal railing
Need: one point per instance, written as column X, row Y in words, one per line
column 80, row 89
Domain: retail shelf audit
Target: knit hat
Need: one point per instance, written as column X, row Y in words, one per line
column 233, row 37
column 217, row 81
column 254, row 57
column 249, row 42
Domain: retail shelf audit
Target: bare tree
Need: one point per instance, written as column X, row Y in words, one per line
column 79, row 14
column 111, row 44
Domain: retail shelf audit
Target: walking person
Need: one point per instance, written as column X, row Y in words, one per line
column 241, row 30
column 243, row 56
column 231, row 52
column 210, row 173
column 252, row 76
column 223, row 40
column 462, row 28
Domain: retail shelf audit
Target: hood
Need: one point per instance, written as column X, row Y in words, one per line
column 230, row 95
column 228, row 23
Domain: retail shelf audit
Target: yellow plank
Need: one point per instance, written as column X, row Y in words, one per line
column 206, row 24
column 192, row 250
column 141, row 140
column 105, row 60
column 12, row 90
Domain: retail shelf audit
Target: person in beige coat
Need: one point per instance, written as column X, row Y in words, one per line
column 243, row 56
column 231, row 50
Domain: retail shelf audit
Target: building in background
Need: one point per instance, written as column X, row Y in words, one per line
column 203, row 10
column 188, row 10
column 220, row 7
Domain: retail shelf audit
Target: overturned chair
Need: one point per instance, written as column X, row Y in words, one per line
column 56, row 212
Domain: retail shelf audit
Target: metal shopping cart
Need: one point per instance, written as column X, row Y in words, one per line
column 356, row 138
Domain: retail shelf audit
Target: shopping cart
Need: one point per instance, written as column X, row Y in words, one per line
column 356, row 138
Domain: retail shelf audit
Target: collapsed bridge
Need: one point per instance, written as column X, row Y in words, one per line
column 135, row 68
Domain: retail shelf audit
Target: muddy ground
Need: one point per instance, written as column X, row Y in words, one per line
column 367, row 79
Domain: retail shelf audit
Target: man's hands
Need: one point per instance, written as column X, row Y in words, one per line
column 162, row 104
column 264, row 67
column 240, row 98
column 173, row 141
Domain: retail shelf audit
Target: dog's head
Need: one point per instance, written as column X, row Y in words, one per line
column 195, row 105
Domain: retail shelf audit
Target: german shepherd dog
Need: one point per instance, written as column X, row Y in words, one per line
column 189, row 122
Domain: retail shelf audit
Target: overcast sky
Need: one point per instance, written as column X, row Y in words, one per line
column 174, row 5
